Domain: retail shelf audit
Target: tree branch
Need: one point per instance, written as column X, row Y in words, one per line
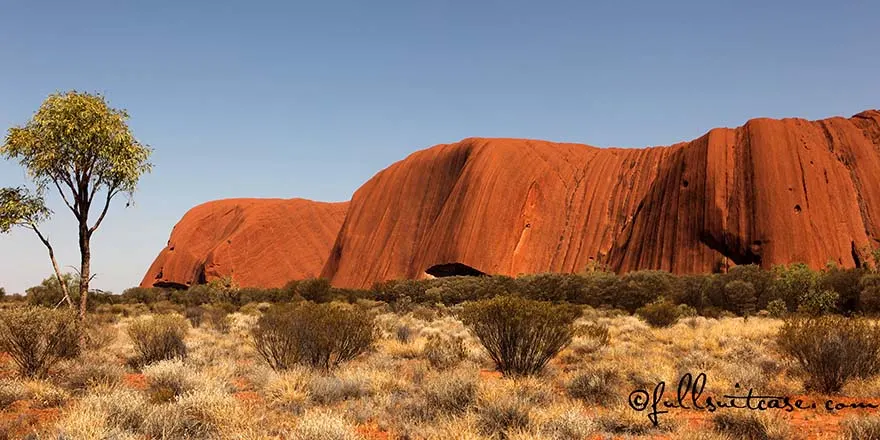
column 63, row 197
column 61, row 282
column 110, row 193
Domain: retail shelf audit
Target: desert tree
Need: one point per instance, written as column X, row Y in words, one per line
column 20, row 207
column 83, row 148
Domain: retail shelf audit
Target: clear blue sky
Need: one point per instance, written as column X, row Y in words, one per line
column 310, row 99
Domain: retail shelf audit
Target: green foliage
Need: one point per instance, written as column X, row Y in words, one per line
column 817, row 302
column 37, row 338
column 77, row 143
column 845, row 282
column 777, row 308
column 642, row 287
column 49, row 292
column 660, row 313
column 551, row 286
column 760, row 279
column 600, row 288
column 314, row 289
column 316, row 335
column 520, row 335
column 869, row 296
column 19, row 207
column 693, row 290
column 158, row 338
column 832, row 349
column 791, row 282
column 740, row 297
column 78, row 131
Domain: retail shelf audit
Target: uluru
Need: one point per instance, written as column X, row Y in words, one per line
column 769, row 192
column 255, row 242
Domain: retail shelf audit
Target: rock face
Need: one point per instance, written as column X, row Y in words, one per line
column 769, row 192
column 257, row 242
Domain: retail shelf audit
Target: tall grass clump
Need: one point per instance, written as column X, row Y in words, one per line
column 321, row 336
column 158, row 338
column 520, row 335
column 37, row 338
column 832, row 349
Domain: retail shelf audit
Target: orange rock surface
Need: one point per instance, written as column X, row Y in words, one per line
column 257, row 242
column 769, row 192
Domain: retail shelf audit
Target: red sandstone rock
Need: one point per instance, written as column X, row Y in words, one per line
column 770, row 192
column 257, row 242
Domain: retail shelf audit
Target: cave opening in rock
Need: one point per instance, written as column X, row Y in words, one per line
column 453, row 270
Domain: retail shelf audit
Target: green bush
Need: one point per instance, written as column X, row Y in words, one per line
column 640, row 288
column 869, row 297
column 777, row 308
column 660, row 313
column 760, row 279
column 551, row 286
column 158, row 338
column 740, row 297
column 37, row 338
column 846, row 283
column 315, row 289
column 832, row 349
column 791, row 282
column 520, row 335
column 317, row 335
column 818, row 302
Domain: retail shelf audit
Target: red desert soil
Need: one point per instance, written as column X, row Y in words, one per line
column 257, row 242
column 769, row 192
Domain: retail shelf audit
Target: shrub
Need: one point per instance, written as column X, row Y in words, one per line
column 37, row 338
column 596, row 332
column 169, row 379
column 501, row 412
column 660, row 313
column 639, row 288
column 740, row 298
column 777, row 308
column 403, row 333
column 594, row 385
column 317, row 335
column 869, row 298
column 818, row 302
column 218, row 317
column 551, row 286
column 760, row 279
column 520, row 335
column 791, row 281
column 846, row 283
column 444, row 351
column 693, row 290
column 322, row 424
column 315, row 289
column 90, row 372
column 158, row 338
column 750, row 425
column 861, row 428
column 195, row 315
column 326, row 390
column 832, row 349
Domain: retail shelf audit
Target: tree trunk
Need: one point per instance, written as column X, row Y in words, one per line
column 85, row 260
column 61, row 282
